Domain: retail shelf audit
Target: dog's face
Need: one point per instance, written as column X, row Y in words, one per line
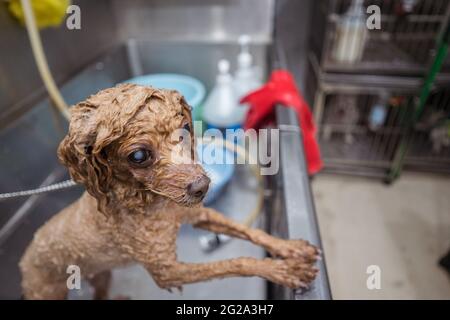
column 156, row 152
column 137, row 137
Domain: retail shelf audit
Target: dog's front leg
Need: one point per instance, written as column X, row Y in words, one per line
column 293, row 272
column 209, row 219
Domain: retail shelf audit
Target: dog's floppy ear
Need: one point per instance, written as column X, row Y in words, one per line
column 82, row 151
column 187, row 112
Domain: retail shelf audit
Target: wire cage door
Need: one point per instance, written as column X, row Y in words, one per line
column 404, row 43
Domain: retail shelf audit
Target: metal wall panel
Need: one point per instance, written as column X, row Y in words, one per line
column 67, row 52
column 213, row 20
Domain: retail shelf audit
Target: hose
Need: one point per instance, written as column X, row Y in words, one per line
column 243, row 154
column 41, row 60
column 240, row 151
column 25, row 193
column 210, row 243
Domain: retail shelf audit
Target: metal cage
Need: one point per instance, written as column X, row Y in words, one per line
column 362, row 83
column 404, row 45
column 352, row 142
column 430, row 146
column 343, row 107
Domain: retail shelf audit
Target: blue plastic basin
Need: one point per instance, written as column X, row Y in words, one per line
column 192, row 89
column 219, row 173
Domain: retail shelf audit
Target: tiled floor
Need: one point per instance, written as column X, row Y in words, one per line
column 403, row 228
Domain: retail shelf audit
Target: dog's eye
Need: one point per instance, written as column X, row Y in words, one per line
column 186, row 128
column 139, row 156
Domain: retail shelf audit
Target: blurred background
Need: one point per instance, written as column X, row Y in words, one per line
column 380, row 100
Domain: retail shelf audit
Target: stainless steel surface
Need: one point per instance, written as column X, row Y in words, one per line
column 68, row 51
column 296, row 201
column 196, row 58
column 105, row 24
column 49, row 185
column 194, row 20
column 293, row 27
column 291, row 204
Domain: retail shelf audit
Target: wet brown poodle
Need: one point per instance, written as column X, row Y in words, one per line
column 121, row 146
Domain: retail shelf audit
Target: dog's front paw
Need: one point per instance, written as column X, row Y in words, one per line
column 294, row 249
column 293, row 273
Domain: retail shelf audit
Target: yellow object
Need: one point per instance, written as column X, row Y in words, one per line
column 48, row 13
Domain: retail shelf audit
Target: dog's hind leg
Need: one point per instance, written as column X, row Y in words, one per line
column 101, row 283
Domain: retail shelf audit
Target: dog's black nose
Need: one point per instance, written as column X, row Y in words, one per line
column 198, row 188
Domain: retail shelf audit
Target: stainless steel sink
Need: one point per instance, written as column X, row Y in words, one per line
column 289, row 209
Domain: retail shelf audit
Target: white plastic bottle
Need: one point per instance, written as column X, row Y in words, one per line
column 220, row 108
column 351, row 34
column 247, row 77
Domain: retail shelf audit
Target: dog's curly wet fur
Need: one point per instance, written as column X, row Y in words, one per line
column 120, row 145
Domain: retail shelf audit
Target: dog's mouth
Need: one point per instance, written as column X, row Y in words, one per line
column 182, row 197
column 188, row 194
column 188, row 200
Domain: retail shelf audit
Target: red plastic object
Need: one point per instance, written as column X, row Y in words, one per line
column 281, row 89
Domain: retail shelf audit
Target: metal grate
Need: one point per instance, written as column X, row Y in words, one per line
column 404, row 44
column 350, row 135
column 430, row 147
